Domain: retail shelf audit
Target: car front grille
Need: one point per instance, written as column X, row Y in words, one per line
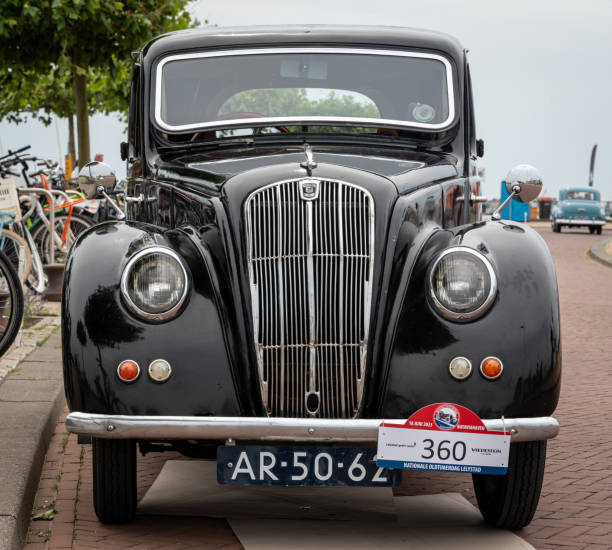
column 310, row 253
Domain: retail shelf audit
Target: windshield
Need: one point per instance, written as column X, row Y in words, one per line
column 369, row 88
column 581, row 195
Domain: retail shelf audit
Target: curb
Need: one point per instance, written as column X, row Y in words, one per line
column 31, row 400
column 598, row 253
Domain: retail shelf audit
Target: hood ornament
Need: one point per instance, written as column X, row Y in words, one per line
column 309, row 163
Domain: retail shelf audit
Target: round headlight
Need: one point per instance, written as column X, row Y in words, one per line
column 154, row 283
column 462, row 283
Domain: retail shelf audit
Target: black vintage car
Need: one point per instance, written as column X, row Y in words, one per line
column 303, row 256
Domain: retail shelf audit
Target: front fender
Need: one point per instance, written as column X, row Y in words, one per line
column 98, row 331
column 521, row 328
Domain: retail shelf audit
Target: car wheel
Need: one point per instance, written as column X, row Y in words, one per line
column 510, row 501
column 114, row 479
column 592, row 229
column 599, row 229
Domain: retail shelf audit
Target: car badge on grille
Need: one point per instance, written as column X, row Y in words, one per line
column 309, row 189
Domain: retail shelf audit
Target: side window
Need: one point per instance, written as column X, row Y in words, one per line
column 134, row 143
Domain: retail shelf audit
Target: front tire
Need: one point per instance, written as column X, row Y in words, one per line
column 599, row 228
column 114, row 479
column 510, row 501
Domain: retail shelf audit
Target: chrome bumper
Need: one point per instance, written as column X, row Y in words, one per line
column 271, row 429
column 581, row 222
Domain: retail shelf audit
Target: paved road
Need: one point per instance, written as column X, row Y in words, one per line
column 576, row 507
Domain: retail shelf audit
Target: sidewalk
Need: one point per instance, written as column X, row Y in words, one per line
column 602, row 252
column 31, row 398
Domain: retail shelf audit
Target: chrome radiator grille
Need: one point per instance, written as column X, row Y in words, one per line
column 310, row 258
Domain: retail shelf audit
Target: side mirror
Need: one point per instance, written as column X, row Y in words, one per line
column 525, row 182
column 93, row 175
column 480, row 148
column 123, row 149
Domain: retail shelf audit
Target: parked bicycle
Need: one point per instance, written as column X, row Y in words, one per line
column 11, row 290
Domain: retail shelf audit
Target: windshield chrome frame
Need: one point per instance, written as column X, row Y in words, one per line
column 298, row 120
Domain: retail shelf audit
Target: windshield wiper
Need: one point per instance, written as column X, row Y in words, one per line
column 284, row 139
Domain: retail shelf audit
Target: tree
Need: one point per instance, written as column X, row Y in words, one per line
column 279, row 102
column 57, row 51
column 29, row 92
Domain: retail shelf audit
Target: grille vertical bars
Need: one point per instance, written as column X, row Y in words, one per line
column 310, row 265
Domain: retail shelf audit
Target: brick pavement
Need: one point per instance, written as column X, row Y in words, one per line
column 576, row 507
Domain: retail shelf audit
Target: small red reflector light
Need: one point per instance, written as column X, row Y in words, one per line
column 128, row 371
column 491, row 368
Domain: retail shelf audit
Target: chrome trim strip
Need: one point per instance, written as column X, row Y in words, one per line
column 157, row 317
column 341, row 299
column 312, row 311
column 272, row 121
column 280, row 295
column 462, row 316
column 273, row 429
column 580, row 222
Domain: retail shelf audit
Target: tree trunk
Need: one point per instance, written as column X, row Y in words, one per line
column 71, row 144
column 80, row 109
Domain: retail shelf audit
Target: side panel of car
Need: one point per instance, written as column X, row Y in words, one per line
column 99, row 332
column 413, row 220
column 415, row 364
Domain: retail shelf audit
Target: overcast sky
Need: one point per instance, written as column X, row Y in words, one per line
column 541, row 70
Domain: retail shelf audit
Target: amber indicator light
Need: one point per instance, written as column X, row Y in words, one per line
column 491, row 367
column 128, row 371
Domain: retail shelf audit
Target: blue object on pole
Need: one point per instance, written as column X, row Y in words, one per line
column 514, row 210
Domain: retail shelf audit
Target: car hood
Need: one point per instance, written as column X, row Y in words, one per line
column 406, row 169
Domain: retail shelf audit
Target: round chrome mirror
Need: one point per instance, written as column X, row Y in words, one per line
column 95, row 174
column 526, row 181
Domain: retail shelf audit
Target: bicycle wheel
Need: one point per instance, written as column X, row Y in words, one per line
column 18, row 252
column 11, row 303
column 37, row 279
column 77, row 225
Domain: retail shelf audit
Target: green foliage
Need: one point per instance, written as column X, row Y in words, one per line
column 278, row 102
column 42, row 95
column 36, row 34
column 46, row 515
column 44, row 43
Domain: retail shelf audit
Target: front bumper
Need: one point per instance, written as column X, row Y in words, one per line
column 579, row 222
column 272, row 429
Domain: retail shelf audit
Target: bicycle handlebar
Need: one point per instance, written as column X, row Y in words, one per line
column 11, row 153
column 9, row 172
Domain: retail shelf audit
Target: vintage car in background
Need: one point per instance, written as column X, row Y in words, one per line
column 579, row 207
column 304, row 256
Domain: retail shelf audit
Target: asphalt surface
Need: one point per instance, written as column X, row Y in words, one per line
column 575, row 510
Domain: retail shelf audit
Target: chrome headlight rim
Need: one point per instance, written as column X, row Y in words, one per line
column 127, row 270
column 463, row 316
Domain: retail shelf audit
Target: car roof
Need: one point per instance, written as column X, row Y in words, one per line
column 312, row 35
